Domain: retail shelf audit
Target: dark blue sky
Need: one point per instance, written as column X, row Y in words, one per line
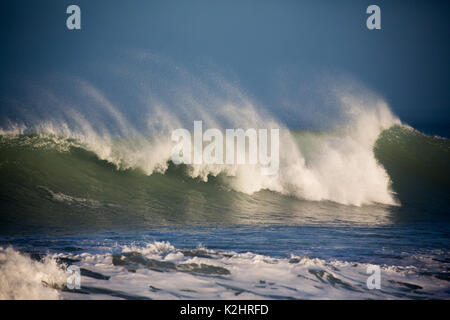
column 260, row 42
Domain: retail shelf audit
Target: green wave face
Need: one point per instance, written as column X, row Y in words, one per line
column 50, row 182
column 419, row 168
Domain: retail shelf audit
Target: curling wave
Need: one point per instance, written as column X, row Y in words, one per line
column 47, row 176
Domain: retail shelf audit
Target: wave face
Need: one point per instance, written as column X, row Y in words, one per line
column 338, row 166
column 418, row 165
column 57, row 181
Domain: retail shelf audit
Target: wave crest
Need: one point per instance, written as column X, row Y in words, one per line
column 337, row 165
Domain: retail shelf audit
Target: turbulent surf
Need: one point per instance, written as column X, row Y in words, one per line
column 94, row 187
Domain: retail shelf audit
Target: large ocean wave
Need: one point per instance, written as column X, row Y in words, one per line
column 75, row 151
column 52, row 178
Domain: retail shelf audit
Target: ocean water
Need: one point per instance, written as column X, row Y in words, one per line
column 344, row 200
column 87, row 181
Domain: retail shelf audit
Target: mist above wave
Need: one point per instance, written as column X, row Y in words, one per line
column 339, row 166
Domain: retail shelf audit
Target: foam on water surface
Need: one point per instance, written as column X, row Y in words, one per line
column 158, row 270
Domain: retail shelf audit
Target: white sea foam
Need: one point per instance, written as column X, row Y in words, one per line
column 24, row 278
column 251, row 276
column 165, row 272
column 61, row 197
